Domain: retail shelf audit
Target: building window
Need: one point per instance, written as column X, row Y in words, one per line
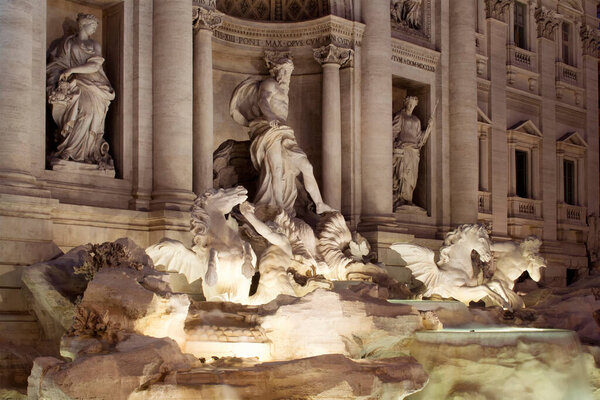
column 519, row 25
column 569, row 181
column 522, row 172
column 566, row 43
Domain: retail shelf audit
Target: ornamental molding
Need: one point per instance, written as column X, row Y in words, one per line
column 314, row 33
column 204, row 17
column 415, row 56
column 589, row 40
column 497, row 9
column 547, row 22
column 332, row 54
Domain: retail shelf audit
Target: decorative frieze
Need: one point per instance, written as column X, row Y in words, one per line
column 497, row 9
column 204, row 17
column 317, row 33
column 414, row 55
column 547, row 22
column 332, row 54
column 589, row 40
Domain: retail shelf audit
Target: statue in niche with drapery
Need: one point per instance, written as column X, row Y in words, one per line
column 80, row 94
column 408, row 141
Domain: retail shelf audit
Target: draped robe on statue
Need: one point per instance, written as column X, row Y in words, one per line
column 245, row 111
column 79, row 105
column 407, row 153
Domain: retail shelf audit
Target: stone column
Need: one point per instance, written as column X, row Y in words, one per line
column 331, row 59
column 464, row 163
column 589, row 41
column 497, row 14
column 172, row 105
column 16, row 95
column 547, row 23
column 205, row 19
column 376, row 113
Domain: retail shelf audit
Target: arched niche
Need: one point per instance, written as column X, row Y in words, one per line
column 238, row 52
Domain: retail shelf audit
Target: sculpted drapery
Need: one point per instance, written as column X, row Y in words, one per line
column 80, row 94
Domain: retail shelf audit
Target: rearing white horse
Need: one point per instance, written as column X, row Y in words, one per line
column 453, row 275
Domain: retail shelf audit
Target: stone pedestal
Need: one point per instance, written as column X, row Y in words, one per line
column 81, row 168
column 332, row 58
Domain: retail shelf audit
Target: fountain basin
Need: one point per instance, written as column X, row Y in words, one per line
column 499, row 362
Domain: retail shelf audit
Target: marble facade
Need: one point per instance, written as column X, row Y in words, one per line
column 174, row 65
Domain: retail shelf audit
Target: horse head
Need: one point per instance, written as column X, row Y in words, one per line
column 463, row 240
column 530, row 249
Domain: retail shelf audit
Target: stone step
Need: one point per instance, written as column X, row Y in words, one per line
column 20, row 328
column 12, row 299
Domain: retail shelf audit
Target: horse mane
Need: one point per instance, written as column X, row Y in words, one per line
column 457, row 235
column 200, row 220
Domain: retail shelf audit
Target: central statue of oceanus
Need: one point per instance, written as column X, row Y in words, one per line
column 262, row 105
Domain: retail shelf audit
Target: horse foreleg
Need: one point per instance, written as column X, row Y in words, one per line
column 248, row 269
column 211, row 277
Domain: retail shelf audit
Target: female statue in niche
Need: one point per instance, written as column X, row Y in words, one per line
column 80, row 94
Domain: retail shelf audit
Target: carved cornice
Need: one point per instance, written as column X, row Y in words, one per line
column 589, row 40
column 204, row 17
column 414, row 55
column 332, row 54
column 497, row 9
column 547, row 22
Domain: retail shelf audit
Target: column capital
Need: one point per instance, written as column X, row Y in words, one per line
column 206, row 17
column 496, row 9
column 589, row 40
column 332, row 54
column 547, row 21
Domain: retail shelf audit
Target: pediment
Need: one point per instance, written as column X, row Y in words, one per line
column 527, row 127
column 482, row 118
column 574, row 139
column 574, row 5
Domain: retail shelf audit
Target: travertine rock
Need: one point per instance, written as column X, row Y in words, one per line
column 134, row 363
column 326, row 322
column 133, row 301
column 497, row 365
column 323, row 377
column 55, row 286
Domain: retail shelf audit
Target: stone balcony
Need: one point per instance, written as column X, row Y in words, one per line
column 524, row 208
column 568, row 74
column 571, row 215
column 521, row 58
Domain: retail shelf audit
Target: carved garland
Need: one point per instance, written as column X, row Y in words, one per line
column 547, row 22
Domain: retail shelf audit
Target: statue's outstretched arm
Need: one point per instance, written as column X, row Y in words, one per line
column 274, row 238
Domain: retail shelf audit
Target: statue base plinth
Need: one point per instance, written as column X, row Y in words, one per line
column 80, row 168
column 410, row 209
